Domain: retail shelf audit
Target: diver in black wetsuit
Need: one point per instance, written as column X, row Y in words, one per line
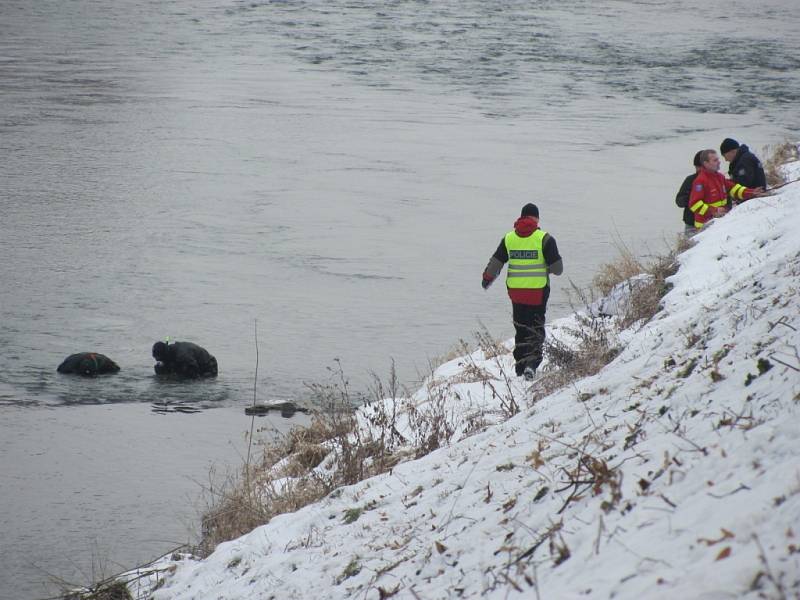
column 184, row 359
column 88, row 364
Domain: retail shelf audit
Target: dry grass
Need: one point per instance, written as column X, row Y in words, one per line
column 284, row 479
column 683, row 243
column 492, row 348
column 453, row 353
column 596, row 347
column 622, row 269
column 646, row 293
column 645, row 300
column 312, row 462
column 596, row 336
column 114, row 590
column 780, row 155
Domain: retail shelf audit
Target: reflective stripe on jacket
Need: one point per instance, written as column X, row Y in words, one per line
column 526, row 265
column 710, row 190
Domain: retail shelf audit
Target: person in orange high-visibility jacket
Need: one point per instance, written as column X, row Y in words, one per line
column 710, row 190
column 532, row 256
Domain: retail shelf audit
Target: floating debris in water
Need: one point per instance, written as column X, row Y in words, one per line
column 166, row 407
column 287, row 409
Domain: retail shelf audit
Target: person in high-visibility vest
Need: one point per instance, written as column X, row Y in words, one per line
column 532, row 256
column 710, row 190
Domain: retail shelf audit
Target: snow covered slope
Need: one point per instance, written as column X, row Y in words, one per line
column 672, row 473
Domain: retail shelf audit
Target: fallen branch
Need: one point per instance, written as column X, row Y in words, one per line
column 779, row 361
column 542, row 539
column 668, row 501
column 739, row 489
column 781, row 321
column 767, row 572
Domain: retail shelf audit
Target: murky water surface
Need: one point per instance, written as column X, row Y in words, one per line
column 336, row 172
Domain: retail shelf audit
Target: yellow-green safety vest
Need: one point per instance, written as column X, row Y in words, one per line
column 526, row 265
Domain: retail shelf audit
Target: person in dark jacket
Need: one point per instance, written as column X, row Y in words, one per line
column 682, row 197
column 532, row 255
column 744, row 167
column 184, row 359
column 88, row 364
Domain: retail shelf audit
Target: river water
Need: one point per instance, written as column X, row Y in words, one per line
column 334, row 174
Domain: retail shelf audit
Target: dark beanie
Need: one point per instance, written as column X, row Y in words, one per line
column 727, row 145
column 698, row 161
column 530, row 210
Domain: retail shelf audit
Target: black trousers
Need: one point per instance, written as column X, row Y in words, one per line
column 528, row 342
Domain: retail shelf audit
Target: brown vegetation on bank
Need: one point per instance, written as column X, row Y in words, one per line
column 311, row 462
column 596, row 342
column 780, row 155
column 116, row 590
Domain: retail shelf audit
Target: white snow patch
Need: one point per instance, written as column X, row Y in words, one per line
column 791, row 171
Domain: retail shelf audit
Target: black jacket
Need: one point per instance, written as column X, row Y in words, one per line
column 682, row 198
column 187, row 360
column 746, row 169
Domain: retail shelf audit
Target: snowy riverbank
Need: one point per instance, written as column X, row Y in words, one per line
column 672, row 473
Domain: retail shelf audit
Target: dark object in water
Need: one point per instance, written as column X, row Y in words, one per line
column 184, row 359
column 287, row 409
column 163, row 408
column 88, row 364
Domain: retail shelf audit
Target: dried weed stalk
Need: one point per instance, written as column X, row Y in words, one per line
column 596, row 336
column 623, row 268
column 780, row 155
column 596, row 346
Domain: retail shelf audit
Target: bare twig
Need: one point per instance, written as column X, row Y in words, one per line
column 742, row 487
column 253, row 417
column 762, row 556
column 668, row 501
column 542, row 539
column 781, row 321
column 600, row 529
column 779, row 361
